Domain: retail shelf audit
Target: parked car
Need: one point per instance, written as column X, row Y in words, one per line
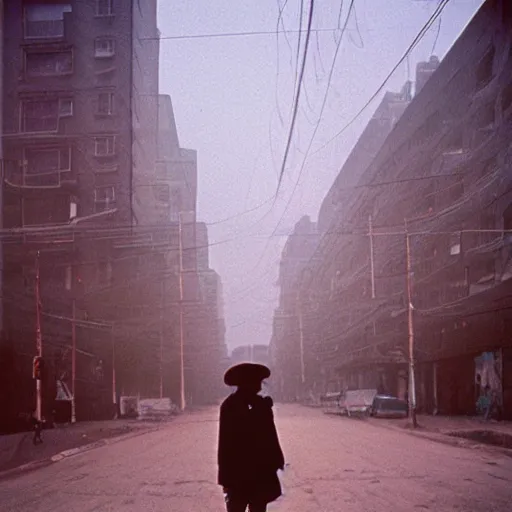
column 385, row 406
column 330, row 403
column 358, row 402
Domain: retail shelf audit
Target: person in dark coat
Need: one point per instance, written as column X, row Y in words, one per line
column 37, row 426
column 249, row 453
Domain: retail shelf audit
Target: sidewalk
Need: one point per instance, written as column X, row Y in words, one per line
column 18, row 449
column 467, row 429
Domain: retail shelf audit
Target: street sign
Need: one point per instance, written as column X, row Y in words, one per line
column 37, row 368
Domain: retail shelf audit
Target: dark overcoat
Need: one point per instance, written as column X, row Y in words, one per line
column 249, row 453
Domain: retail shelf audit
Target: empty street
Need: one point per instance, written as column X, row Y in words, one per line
column 334, row 464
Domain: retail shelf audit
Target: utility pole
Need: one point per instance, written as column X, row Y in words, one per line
column 412, row 380
column 113, row 341
column 162, row 292
column 301, row 344
column 39, row 341
column 372, row 259
column 182, row 357
column 73, row 363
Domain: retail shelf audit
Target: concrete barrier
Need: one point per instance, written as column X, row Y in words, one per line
column 156, row 408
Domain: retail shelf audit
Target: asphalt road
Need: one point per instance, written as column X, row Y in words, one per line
column 336, row 465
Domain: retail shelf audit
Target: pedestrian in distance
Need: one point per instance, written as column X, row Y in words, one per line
column 249, row 453
column 38, row 427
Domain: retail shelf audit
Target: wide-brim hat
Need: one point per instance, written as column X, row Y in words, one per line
column 246, row 372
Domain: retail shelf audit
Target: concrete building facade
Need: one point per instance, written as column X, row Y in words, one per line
column 443, row 176
column 286, row 346
column 80, row 137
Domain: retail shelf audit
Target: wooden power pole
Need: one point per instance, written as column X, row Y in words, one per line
column 372, row 257
column 39, row 343
column 73, row 363
column 181, row 319
column 410, row 316
column 162, row 295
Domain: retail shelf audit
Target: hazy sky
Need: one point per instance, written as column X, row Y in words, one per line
column 230, row 95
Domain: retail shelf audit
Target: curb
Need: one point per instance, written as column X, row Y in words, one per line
column 25, row 468
column 444, row 438
column 38, row 464
column 440, row 437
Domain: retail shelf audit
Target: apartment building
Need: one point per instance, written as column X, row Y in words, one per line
column 442, row 176
column 80, row 98
column 308, row 257
column 286, row 351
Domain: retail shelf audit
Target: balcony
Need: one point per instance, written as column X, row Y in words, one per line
column 42, row 119
column 453, row 159
column 44, row 29
column 41, row 167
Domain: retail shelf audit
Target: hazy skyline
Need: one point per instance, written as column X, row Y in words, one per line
column 228, row 98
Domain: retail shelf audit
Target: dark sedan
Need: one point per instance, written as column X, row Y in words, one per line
column 385, row 406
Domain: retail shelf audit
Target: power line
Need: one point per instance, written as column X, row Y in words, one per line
column 236, row 34
column 280, row 21
column 324, row 103
column 319, row 53
column 240, row 214
column 418, row 37
column 299, row 40
column 339, row 15
column 251, row 33
column 433, row 217
column 358, row 29
column 404, row 180
column 414, row 43
column 339, row 335
column 297, row 96
column 437, row 36
column 367, row 185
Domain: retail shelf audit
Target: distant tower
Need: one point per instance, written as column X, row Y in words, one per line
column 424, row 70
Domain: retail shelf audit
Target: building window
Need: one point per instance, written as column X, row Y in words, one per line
column 105, row 272
column 433, row 124
column 104, row 7
column 68, row 278
column 106, row 103
column 45, row 20
column 47, row 160
column 48, row 63
column 65, row 107
column 39, row 211
column 42, row 166
column 104, row 198
column 73, row 208
column 455, row 244
column 161, row 193
column 486, row 116
column 44, row 115
column 104, row 47
column 484, row 69
column 40, row 116
column 104, row 146
column 506, row 98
